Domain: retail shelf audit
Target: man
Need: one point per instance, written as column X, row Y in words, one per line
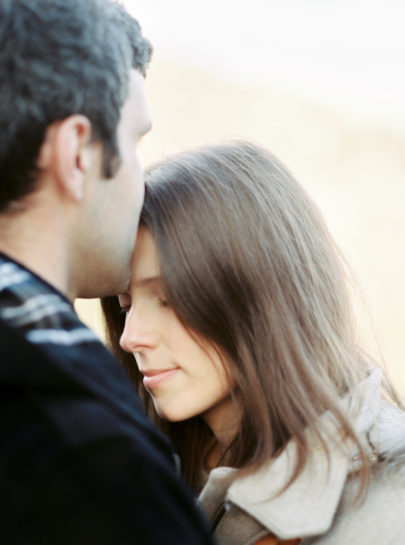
column 79, row 461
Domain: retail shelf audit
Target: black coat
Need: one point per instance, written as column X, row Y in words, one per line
column 80, row 463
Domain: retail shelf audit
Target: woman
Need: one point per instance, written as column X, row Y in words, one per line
column 245, row 354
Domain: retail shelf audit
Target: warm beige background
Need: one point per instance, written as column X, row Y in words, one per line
column 354, row 170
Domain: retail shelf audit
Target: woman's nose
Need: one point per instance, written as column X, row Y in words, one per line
column 138, row 333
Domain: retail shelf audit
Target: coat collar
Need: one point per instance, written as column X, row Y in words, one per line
column 308, row 505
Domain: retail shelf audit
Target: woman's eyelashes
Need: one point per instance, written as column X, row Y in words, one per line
column 163, row 303
column 124, row 301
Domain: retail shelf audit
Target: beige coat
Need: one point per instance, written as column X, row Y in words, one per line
column 318, row 506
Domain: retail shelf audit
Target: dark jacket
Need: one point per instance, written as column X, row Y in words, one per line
column 80, row 463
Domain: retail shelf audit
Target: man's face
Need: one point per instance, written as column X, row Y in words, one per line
column 107, row 237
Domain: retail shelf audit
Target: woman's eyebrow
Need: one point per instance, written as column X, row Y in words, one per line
column 149, row 280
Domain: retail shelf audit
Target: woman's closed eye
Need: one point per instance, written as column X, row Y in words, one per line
column 163, row 303
column 124, row 301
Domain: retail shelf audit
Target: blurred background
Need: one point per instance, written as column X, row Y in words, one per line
column 322, row 84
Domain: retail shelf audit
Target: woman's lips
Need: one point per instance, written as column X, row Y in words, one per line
column 152, row 379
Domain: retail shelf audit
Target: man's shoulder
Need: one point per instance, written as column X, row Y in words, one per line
column 45, row 344
column 75, row 455
column 59, row 366
column 79, row 390
column 60, row 370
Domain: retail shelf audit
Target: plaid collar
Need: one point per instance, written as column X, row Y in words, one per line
column 34, row 307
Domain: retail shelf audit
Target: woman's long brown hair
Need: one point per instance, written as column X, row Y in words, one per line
column 248, row 264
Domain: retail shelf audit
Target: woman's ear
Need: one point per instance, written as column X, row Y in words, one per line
column 66, row 154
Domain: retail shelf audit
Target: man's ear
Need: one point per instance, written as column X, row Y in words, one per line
column 66, row 154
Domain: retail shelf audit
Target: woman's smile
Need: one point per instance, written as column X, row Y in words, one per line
column 155, row 377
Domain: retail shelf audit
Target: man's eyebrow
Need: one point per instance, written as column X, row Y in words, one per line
column 150, row 280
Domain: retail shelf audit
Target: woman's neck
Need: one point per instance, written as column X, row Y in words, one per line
column 223, row 420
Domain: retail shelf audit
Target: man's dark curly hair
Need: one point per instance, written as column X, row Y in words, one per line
column 58, row 58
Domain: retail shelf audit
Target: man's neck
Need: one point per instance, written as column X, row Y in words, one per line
column 38, row 245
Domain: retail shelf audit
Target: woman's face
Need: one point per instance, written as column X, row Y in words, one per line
column 183, row 379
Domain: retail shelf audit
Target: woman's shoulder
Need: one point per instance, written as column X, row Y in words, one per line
column 323, row 499
column 377, row 517
column 387, row 436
